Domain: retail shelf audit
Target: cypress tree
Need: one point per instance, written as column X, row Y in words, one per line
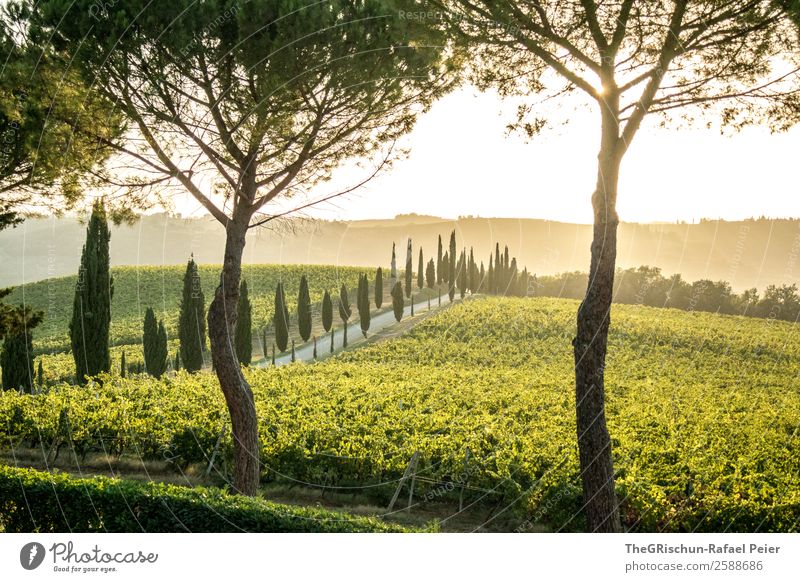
column 498, row 270
column 304, row 310
column 378, row 288
column 445, row 267
column 363, row 303
column 439, row 262
column 409, row 273
column 315, row 347
column 462, row 274
column 91, row 310
column 327, row 311
column 192, row 319
column 398, row 304
column 412, row 304
column 281, row 318
column 243, row 336
column 393, row 272
column 273, row 353
column 16, row 359
column 177, row 362
column 345, row 311
column 293, row 356
column 481, row 279
column 333, row 335
column 421, row 271
column 430, row 274
column 40, row 375
column 263, row 338
column 490, row 277
column 451, row 277
column 123, row 368
column 154, row 340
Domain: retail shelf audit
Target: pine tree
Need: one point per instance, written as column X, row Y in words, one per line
column 281, row 318
column 378, row 288
column 192, row 319
column 327, row 311
column 363, row 304
column 430, row 274
column 409, row 273
column 398, row 304
column 439, row 268
column 154, row 340
column 123, row 368
column 345, row 311
column 421, row 271
column 91, row 311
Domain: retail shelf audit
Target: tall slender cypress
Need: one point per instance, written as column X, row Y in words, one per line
column 490, row 276
column 409, row 274
column 192, row 319
column 445, row 273
column 16, row 359
column 123, row 366
column 154, row 340
column 244, row 326
column 363, row 303
column 398, row 304
column 378, row 288
column 281, row 318
column 421, row 271
column 439, row 267
column 430, row 274
column 462, row 274
column 452, row 272
column 89, row 328
column 345, row 311
column 304, row 310
column 327, row 311
column 498, row 270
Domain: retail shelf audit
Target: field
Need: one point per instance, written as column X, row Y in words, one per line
column 703, row 410
column 137, row 288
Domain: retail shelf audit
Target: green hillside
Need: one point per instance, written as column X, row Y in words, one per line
column 703, row 410
column 137, row 288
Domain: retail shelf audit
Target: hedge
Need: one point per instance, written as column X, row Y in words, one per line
column 36, row 501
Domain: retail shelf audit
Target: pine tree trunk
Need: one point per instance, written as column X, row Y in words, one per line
column 591, row 341
column 221, row 331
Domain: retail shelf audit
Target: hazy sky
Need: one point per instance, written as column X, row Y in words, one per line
column 463, row 163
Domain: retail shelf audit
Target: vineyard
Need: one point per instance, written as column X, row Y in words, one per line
column 703, row 411
column 136, row 288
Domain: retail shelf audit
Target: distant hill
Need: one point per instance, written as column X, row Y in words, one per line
column 751, row 253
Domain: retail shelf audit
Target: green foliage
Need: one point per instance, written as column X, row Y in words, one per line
column 281, row 318
column 16, row 359
column 244, row 326
column 304, row 310
column 398, row 303
column 378, row 288
column 702, row 407
column 192, row 319
column 34, row 501
column 439, row 263
column 430, row 274
column 421, row 271
column 363, row 304
column 91, row 309
column 451, row 268
column 409, row 271
column 155, row 345
column 327, row 311
column 137, row 287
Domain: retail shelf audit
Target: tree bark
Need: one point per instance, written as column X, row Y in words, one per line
column 221, row 331
column 591, row 341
